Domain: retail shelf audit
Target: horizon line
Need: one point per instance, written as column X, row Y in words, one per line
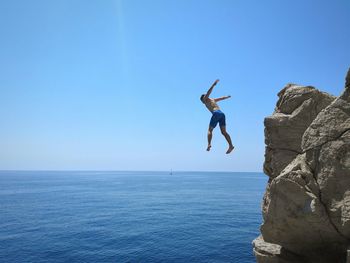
column 95, row 170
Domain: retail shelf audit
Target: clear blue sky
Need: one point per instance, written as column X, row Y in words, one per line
column 115, row 84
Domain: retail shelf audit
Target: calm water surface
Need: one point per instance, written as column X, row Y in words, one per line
column 129, row 216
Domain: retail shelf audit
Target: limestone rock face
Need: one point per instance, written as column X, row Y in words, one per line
column 306, row 206
column 296, row 108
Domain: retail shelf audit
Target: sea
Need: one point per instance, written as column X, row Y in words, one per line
column 134, row 217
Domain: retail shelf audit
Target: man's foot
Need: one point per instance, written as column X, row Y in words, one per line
column 230, row 149
column 209, row 146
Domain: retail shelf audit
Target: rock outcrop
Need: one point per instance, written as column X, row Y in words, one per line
column 306, row 206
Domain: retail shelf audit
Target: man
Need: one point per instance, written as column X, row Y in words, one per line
column 217, row 117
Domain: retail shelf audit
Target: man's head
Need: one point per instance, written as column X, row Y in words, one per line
column 202, row 98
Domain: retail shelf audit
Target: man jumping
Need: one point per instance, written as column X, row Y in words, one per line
column 217, row 117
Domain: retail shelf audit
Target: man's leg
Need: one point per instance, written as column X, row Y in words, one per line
column 210, row 136
column 228, row 139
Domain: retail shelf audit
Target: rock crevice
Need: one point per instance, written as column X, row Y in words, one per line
column 326, row 209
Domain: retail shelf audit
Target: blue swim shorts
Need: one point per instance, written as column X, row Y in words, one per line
column 218, row 117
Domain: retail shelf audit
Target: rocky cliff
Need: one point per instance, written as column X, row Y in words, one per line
column 306, row 206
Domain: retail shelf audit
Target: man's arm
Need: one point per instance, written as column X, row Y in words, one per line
column 222, row 98
column 211, row 89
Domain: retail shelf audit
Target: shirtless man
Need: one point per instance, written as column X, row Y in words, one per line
column 217, row 117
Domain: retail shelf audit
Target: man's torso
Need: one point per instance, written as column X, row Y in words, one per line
column 211, row 105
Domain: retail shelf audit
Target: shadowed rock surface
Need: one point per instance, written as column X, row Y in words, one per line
column 306, row 206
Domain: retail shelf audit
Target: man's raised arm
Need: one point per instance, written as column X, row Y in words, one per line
column 222, row 98
column 211, row 89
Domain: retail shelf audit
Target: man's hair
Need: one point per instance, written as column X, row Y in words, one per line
column 202, row 97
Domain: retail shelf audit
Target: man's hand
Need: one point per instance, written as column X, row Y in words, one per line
column 216, row 82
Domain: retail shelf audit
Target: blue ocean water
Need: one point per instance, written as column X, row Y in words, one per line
column 129, row 216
